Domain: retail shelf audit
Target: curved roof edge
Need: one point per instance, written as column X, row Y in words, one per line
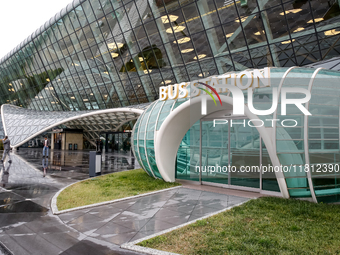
column 21, row 125
column 46, row 25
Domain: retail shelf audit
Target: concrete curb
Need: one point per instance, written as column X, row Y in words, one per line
column 4, row 249
column 55, row 210
column 54, row 207
column 134, row 247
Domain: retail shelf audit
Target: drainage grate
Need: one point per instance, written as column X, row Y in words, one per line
column 4, row 250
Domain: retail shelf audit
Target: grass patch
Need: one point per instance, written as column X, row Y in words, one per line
column 109, row 187
column 262, row 226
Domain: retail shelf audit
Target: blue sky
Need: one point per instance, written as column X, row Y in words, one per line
column 20, row 18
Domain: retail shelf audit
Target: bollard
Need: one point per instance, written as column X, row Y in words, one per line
column 95, row 164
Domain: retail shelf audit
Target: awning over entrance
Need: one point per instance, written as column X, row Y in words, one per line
column 22, row 124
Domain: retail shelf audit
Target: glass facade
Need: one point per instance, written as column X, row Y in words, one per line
column 104, row 54
column 99, row 54
column 312, row 145
column 246, row 149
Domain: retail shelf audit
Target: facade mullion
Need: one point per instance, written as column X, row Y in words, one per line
column 61, row 80
column 54, row 88
column 44, row 103
column 98, row 100
column 317, row 37
column 179, row 49
column 71, row 62
column 269, row 35
column 65, row 68
column 114, row 89
column 169, row 52
column 126, row 42
column 244, row 35
column 202, row 8
column 137, row 62
column 121, row 91
column 226, row 41
column 194, row 46
column 289, row 34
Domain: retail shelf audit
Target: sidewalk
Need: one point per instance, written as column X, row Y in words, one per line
column 130, row 220
column 28, row 227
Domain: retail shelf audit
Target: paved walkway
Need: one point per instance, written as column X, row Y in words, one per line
column 127, row 221
column 28, row 227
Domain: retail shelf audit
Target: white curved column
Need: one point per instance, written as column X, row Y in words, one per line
column 305, row 137
column 278, row 95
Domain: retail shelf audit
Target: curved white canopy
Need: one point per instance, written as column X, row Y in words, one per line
column 21, row 125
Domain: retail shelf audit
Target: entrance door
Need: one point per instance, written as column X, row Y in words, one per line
column 215, row 156
column 230, row 153
column 118, row 142
column 57, row 141
column 245, row 154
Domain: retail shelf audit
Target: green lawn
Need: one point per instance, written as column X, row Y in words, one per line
column 109, row 187
column 262, row 226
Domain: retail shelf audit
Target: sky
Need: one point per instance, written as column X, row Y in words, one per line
column 20, row 18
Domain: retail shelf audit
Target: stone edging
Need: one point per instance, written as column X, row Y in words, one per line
column 134, row 247
column 55, row 210
column 5, row 250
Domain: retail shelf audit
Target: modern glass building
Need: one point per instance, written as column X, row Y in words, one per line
column 174, row 140
column 98, row 65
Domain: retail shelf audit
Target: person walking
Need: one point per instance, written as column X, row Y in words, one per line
column 101, row 144
column 7, row 149
column 98, row 145
column 45, row 149
column 124, row 146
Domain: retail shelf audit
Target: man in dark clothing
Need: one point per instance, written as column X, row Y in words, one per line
column 98, row 145
column 7, row 149
column 124, row 146
column 101, row 145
